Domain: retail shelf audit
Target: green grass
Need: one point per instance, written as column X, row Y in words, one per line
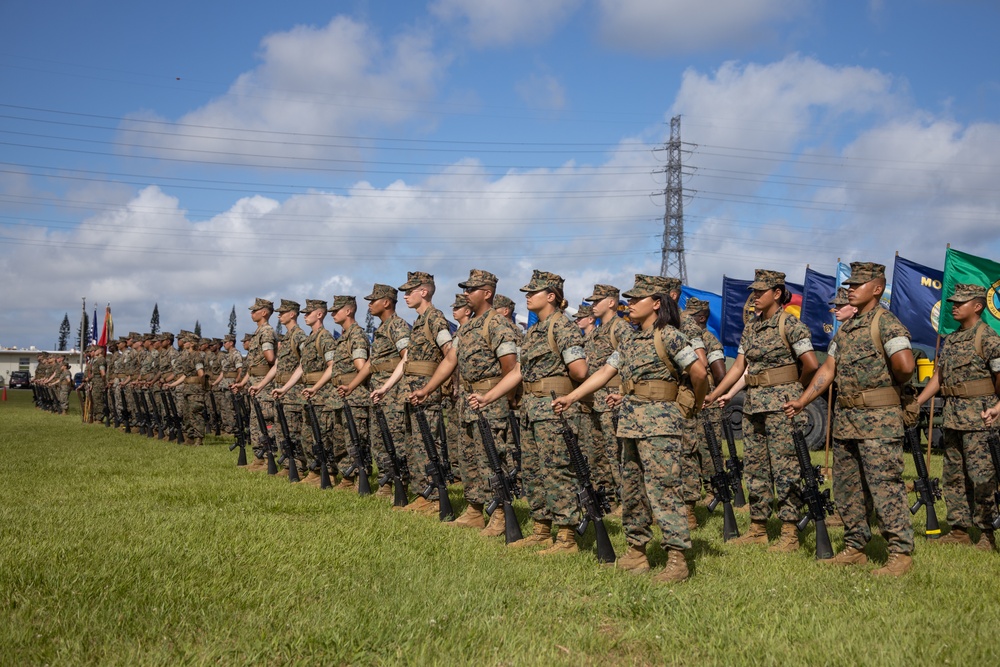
column 116, row 549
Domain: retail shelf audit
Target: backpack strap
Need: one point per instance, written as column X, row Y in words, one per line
column 552, row 336
column 486, row 329
column 661, row 352
column 876, row 334
column 614, row 337
column 782, row 318
column 980, row 331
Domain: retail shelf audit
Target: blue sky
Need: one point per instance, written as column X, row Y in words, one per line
column 197, row 155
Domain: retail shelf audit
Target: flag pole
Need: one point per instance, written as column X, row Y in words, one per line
column 829, row 420
column 83, row 330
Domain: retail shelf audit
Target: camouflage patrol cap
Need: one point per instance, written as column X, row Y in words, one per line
column 262, row 303
column 696, row 305
column 133, row 336
column 966, row 292
column 584, row 311
column 341, row 301
column 416, row 279
column 315, row 304
column 603, row 292
column 247, row 337
column 229, row 338
column 479, row 278
column 380, row 291
column 204, row 341
column 501, row 301
column 216, row 342
column 185, row 333
column 541, row 280
column 863, row 272
column 648, row 286
column 840, row 300
column 149, row 336
column 460, row 302
column 166, row 335
column 673, row 285
column 764, row 279
column 288, row 306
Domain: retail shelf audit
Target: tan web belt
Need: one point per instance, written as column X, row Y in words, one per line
column 774, row 376
column 231, row 374
column 614, row 383
column 970, row 389
column 193, row 380
column 421, row 368
column 652, row 390
column 259, row 370
column 345, row 378
column 561, row 384
column 480, row 385
column 883, row 397
column 385, row 366
column 282, row 377
column 312, row 378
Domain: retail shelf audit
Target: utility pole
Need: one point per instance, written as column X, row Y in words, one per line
column 672, row 251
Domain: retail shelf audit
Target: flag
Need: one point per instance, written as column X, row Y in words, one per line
column 818, row 291
column 917, row 299
column 737, row 309
column 960, row 267
column 714, row 302
column 93, row 329
column 107, row 331
column 532, row 319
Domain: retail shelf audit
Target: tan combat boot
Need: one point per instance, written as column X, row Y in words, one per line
column 675, row 570
column 384, row 491
column 788, row 542
column 987, row 541
column 420, row 504
column 692, row 517
column 282, row 473
column 564, row 543
column 257, row 464
column 312, row 479
column 849, row 556
column 541, row 533
column 472, row 517
column 957, row 535
column 896, row 566
column 346, row 483
column 634, row 561
column 756, row 535
column 497, row 524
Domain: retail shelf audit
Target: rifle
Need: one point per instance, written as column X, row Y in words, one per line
column 435, row 469
column 287, row 446
column 360, row 453
column 817, row 505
column 216, row 416
column 927, row 489
column 241, row 439
column 723, row 482
column 167, row 417
column 993, row 441
column 593, row 502
column 504, row 486
column 114, row 407
column 319, row 450
column 266, row 441
column 147, row 419
column 142, row 423
column 515, row 436
column 445, row 459
column 126, row 415
column 733, row 463
column 155, row 412
column 399, row 470
column 175, row 416
column 106, row 412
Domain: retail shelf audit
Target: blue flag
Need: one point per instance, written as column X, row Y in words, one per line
column 737, row 309
column 819, row 290
column 714, row 303
column 532, row 319
column 916, row 299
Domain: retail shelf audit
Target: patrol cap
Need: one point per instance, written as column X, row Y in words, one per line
column 673, row 285
column 341, row 301
column 584, row 311
column 604, row 292
column 166, row 335
column 380, row 291
column 863, row 272
column 185, row 333
column 501, row 301
column 764, row 279
column 149, row 336
column 315, row 304
column 288, row 306
column 416, row 279
column 460, row 302
column 965, row 292
column 262, row 303
column 648, row 286
column 840, row 300
column 133, row 336
column 479, row 278
column 696, row 305
column 216, row 342
column 204, row 341
column 541, row 280
column 229, row 338
column 247, row 337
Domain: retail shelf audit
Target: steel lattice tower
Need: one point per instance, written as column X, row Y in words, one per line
column 672, row 262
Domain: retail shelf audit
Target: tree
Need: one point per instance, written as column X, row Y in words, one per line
column 64, row 331
column 232, row 321
column 197, row 328
column 279, row 329
column 370, row 326
column 81, row 334
column 154, row 321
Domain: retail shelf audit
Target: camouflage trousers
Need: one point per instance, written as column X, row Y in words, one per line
column 549, row 479
column 473, row 463
column 342, row 436
column 968, row 479
column 309, row 455
column 225, row 406
column 297, row 425
column 872, row 468
column 453, row 432
column 193, row 413
column 97, row 401
column 416, row 452
column 267, row 408
column 603, row 452
column 651, row 491
column 62, row 396
column 771, row 466
column 395, row 417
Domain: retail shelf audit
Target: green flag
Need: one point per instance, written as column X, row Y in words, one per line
column 960, row 267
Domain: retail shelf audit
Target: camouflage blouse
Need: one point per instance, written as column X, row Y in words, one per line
column 598, row 345
column 479, row 357
column 422, row 348
column 352, row 344
column 538, row 360
column 764, row 349
column 262, row 340
column 959, row 362
column 316, row 351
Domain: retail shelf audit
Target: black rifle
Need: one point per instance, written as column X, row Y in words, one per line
column 927, row 489
column 723, row 482
column 175, row 416
column 287, row 445
column 216, row 416
column 113, row 406
column 140, row 418
column 593, row 502
column 993, row 441
column 399, row 471
column 155, row 413
column 266, row 441
column 515, row 438
column 361, row 454
column 145, row 417
column 434, row 469
column 319, row 450
column 733, row 463
column 445, row 459
column 241, row 437
column 167, row 417
column 817, row 504
column 126, row 415
column 504, row 486
column 106, row 414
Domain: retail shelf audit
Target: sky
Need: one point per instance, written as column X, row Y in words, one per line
column 198, row 155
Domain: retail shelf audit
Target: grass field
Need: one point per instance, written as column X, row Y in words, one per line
column 116, row 549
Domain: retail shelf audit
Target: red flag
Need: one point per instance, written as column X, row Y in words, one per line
column 107, row 331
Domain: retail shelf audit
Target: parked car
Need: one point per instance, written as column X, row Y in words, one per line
column 20, row 380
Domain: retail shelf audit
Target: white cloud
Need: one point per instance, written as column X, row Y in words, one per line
column 683, row 26
column 542, row 91
column 489, row 23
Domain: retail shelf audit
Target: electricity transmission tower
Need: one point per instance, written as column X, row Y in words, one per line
column 672, row 251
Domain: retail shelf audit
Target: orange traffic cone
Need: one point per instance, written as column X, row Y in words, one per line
column 4, row 394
